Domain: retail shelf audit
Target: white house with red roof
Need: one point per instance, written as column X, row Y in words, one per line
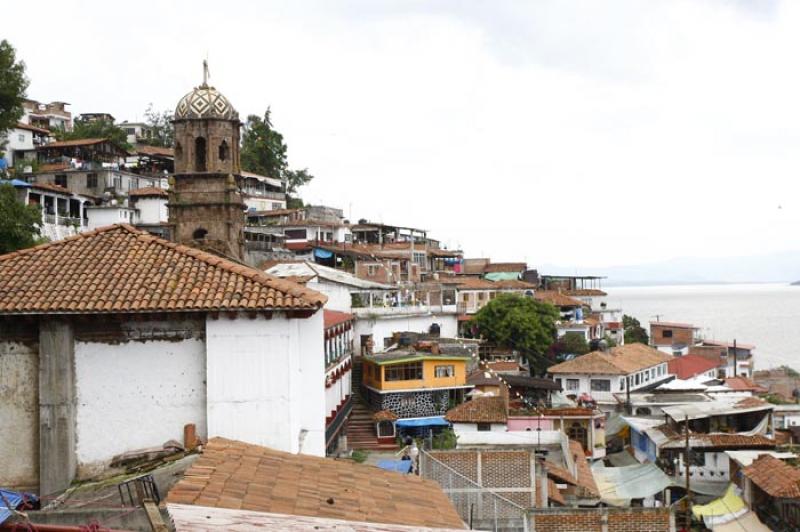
column 114, row 340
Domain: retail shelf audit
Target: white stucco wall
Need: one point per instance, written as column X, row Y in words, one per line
column 134, row 395
column 460, row 428
column 152, row 210
column 383, row 327
column 266, row 381
column 19, row 412
column 103, row 216
column 338, row 295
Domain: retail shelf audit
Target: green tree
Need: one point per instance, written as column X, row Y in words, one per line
column 161, row 128
column 13, row 85
column 569, row 344
column 95, row 129
column 520, row 323
column 634, row 332
column 19, row 223
column 265, row 152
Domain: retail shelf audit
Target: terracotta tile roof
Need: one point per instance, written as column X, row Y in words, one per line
column 482, row 377
column 750, row 402
column 687, row 366
column 76, row 142
column 774, row 476
column 497, row 267
column 236, row 475
column 471, row 283
column 553, row 494
column 51, row 187
column 622, row 360
column 119, row 269
column 559, row 473
column 558, row 299
column 334, row 317
column 502, row 366
column 514, row 284
column 35, row 129
column 585, row 476
column 479, row 410
column 148, row 191
column 746, row 347
column 144, row 149
column 585, row 292
column 719, row 440
column 744, row 384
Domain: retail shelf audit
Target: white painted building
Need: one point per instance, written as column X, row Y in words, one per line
column 130, row 338
column 337, row 285
column 599, row 375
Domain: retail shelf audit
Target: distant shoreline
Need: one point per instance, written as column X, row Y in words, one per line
column 635, row 284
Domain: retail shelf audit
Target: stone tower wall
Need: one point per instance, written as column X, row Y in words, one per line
column 214, row 132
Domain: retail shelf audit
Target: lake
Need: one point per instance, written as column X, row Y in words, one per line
column 767, row 315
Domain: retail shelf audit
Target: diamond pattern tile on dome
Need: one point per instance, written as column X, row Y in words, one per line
column 205, row 102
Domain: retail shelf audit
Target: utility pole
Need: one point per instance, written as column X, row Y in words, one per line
column 735, row 362
column 686, row 468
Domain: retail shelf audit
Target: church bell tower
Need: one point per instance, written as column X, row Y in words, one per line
column 206, row 209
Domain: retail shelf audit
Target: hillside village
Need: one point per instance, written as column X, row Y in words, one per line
column 188, row 352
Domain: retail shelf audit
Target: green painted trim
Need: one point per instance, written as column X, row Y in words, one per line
column 414, row 358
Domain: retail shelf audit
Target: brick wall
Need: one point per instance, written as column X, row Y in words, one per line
column 679, row 336
column 594, row 519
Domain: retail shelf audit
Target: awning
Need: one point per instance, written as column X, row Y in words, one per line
column 618, row 485
column 502, row 276
column 748, row 522
column 322, row 253
column 729, row 504
column 434, row 421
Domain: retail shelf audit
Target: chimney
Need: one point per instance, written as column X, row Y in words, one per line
column 434, row 348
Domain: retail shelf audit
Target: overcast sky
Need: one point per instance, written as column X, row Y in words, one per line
column 574, row 133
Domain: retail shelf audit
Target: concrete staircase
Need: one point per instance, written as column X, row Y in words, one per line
column 361, row 429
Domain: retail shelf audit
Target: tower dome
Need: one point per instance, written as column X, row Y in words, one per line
column 205, row 102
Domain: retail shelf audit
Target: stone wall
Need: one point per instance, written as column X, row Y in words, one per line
column 19, row 407
column 411, row 404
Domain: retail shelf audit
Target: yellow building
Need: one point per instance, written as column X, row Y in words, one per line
column 415, row 382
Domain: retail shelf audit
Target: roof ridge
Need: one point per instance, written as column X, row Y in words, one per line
column 47, row 245
column 270, row 281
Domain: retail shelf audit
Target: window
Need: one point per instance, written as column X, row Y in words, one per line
column 444, row 371
column 601, row 385
column 91, row 180
column 560, row 384
column 372, row 269
column 697, row 458
column 653, row 373
column 666, row 333
column 403, row 372
column 636, row 381
column 61, row 180
column 573, row 385
column 622, row 384
column 223, row 151
column 199, row 233
column 484, row 427
column 200, row 154
column 419, row 258
column 21, row 137
column 407, row 401
column 295, row 234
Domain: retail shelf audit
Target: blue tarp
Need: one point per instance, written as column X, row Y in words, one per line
column 16, row 182
column 401, row 466
column 322, row 253
column 11, row 500
column 435, row 421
